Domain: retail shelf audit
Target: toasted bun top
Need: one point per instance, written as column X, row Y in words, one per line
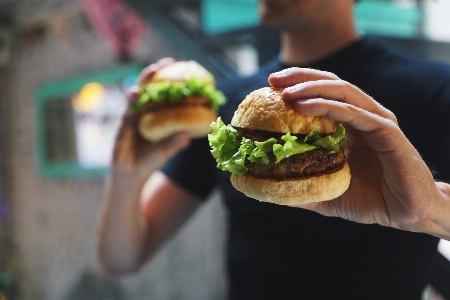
column 181, row 71
column 264, row 109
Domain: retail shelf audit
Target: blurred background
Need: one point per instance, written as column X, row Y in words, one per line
column 64, row 65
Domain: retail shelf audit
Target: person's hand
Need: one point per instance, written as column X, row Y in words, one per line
column 131, row 151
column 141, row 207
column 390, row 185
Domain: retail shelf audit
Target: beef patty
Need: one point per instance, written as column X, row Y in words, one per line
column 310, row 163
column 185, row 101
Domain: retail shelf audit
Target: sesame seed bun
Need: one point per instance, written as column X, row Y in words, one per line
column 265, row 110
column 191, row 116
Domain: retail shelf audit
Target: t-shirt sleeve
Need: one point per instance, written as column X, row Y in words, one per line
column 193, row 168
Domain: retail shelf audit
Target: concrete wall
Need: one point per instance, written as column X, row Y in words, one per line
column 54, row 221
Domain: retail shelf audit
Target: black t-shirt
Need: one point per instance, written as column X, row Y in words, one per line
column 278, row 252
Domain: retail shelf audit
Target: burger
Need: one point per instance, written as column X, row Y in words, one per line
column 180, row 96
column 278, row 155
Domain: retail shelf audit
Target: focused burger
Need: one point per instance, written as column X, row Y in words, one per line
column 278, row 155
column 180, row 96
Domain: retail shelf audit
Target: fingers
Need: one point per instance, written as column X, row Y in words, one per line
column 175, row 143
column 156, row 154
column 293, row 76
column 150, row 70
column 318, row 93
column 132, row 94
column 387, row 131
column 131, row 149
column 304, row 83
column 339, row 111
column 145, row 76
column 337, row 90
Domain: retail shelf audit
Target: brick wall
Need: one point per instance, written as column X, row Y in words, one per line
column 54, row 221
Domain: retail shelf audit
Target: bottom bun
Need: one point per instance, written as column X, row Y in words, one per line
column 295, row 191
column 160, row 124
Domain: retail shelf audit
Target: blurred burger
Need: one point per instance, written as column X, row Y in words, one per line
column 278, row 155
column 180, row 96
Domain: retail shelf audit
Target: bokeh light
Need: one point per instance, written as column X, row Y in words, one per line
column 89, row 97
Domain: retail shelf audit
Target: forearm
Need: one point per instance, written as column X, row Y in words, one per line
column 121, row 232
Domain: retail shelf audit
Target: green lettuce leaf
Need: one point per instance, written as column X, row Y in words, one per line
column 225, row 142
column 291, row 146
column 330, row 142
column 174, row 91
column 231, row 149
